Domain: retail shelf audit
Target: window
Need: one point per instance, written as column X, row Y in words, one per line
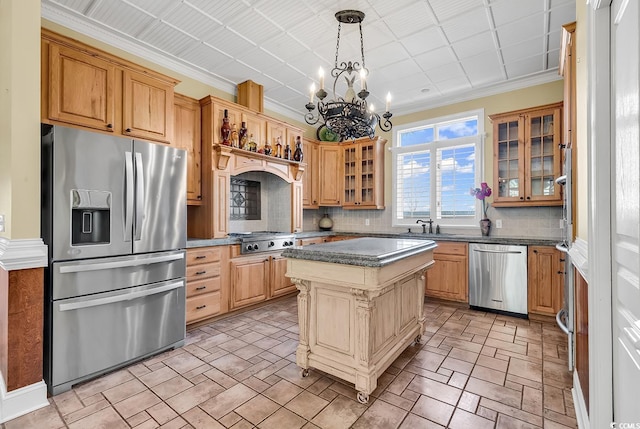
column 435, row 163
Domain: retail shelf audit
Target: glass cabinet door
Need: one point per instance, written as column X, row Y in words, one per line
column 543, row 158
column 367, row 157
column 350, row 175
column 509, row 155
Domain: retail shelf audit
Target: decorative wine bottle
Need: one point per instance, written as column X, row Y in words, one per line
column 287, row 151
column 242, row 135
column 253, row 146
column 297, row 155
column 234, row 136
column 225, row 130
column 267, row 148
column 278, row 148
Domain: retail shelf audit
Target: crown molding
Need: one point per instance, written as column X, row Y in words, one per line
column 487, row 91
column 22, row 254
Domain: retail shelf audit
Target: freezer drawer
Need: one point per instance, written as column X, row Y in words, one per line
column 498, row 277
column 76, row 278
column 94, row 334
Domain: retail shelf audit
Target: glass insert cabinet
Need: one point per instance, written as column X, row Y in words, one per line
column 527, row 156
column 363, row 164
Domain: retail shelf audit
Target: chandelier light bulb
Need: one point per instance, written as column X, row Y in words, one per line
column 312, row 91
column 321, row 74
column 363, row 79
column 388, row 101
column 372, row 109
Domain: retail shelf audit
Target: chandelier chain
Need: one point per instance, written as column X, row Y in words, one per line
column 361, row 46
column 338, row 44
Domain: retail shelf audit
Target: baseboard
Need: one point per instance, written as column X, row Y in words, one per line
column 21, row 401
column 582, row 414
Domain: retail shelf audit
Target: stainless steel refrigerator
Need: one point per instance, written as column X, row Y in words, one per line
column 114, row 219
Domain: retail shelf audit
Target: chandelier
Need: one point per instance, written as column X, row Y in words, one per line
column 347, row 116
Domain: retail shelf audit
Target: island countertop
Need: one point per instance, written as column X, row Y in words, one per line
column 364, row 252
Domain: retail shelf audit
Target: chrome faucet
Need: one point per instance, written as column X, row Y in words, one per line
column 424, row 225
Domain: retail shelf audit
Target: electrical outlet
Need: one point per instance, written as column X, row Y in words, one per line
column 1, row 223
column 561, row 223
column 315, row 221
column 366, row 222
column 498, row 223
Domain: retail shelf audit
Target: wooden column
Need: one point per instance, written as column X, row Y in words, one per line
column 21, row 326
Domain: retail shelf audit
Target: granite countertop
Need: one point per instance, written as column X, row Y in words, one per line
column 528, row 241
column 364, row 251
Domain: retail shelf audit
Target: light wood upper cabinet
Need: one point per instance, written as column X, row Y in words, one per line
column 527, row 157
column 546, row 280
column 448, row 278
column 86, row 87
column 330, row 175
column 310, row 177
column 274, row 131
column 256, row 126
column 147, row 107
column 186, row 135
column 363, row 169
column 81, row 89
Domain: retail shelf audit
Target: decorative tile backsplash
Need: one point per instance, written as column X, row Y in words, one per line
column 538, row 222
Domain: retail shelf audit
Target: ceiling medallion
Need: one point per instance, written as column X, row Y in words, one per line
column 348, row 116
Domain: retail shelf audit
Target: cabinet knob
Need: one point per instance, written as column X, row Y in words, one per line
column 522, row 198
column 200, row 307
column 198, row 273
column 561, row 272
column 528, row 198
column 201, row 288
column 109, row 126
column 199, row 197
column 535, row 251
column 128, row 130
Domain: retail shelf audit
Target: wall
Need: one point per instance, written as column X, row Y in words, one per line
column 582, row 163
column 527, row 222
column 20, row 118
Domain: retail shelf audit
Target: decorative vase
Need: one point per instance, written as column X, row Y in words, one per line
column 225, row 130
column 325, row 223
column 485, row 227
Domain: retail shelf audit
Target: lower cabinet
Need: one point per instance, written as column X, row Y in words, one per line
column 206, row 282
column 449, row 276
column 256, row 278
column 546, row 280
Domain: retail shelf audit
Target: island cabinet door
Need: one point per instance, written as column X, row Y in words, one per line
column 249, row 280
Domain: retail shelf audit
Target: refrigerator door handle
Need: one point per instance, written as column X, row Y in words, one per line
column 140, row 197
column 562, row 314
column 121, row 297
column 128, row 195
column 120, row 264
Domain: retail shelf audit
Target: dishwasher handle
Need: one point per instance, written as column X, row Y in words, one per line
column 517, row 252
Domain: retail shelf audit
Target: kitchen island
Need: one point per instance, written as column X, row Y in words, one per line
column 360, row 305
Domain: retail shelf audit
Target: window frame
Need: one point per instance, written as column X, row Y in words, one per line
column 433, row 147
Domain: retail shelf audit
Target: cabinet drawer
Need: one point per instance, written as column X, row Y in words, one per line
column 313, row 240
column 203, row 256
column 204, row 271
column 450, row 248
column 199, row 287
column 202, row 306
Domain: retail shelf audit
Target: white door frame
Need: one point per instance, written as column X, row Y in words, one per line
column 599, row 240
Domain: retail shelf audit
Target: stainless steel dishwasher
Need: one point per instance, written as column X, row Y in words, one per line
column 498, row 277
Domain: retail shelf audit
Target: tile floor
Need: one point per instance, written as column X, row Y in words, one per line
column 473, row 370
